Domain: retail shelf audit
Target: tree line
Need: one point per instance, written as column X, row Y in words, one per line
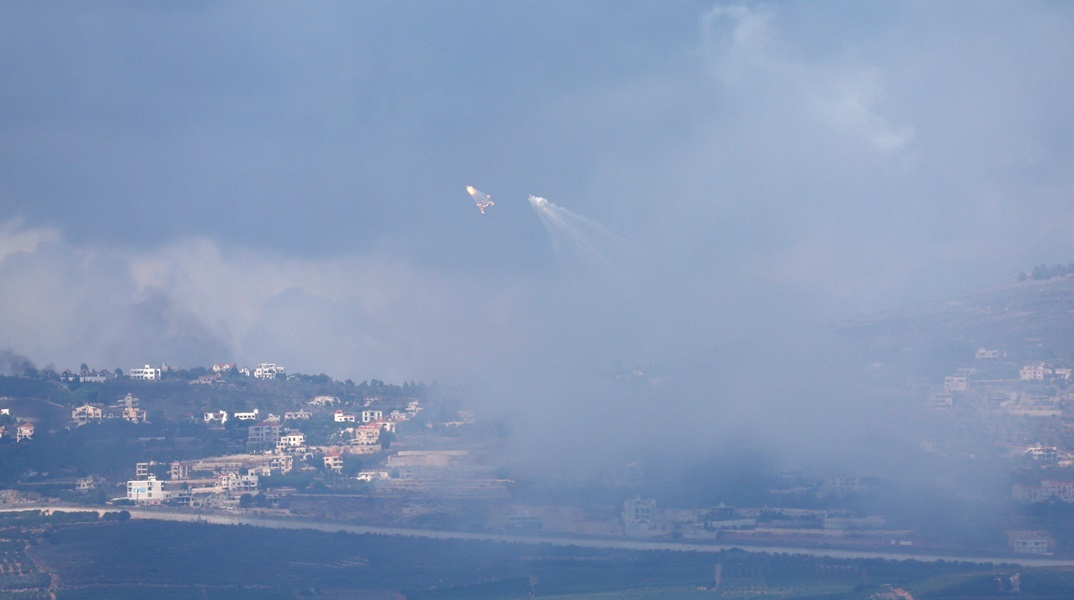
column 1042, row 272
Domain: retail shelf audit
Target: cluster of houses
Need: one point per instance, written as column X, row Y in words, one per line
column 1013, row 400
column 127, row 409
column 23, row 430
column 196, row 482
column 151, row 373
column 1020, row 397
column 1040, row 372
column 272, row 448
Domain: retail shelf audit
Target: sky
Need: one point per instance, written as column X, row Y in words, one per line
column 285, row 182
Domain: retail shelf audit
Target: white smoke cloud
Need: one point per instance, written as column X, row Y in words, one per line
column 15, row 237
column 191, row 303
column 748, row 56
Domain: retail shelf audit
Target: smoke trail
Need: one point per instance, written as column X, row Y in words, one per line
column 582, row 246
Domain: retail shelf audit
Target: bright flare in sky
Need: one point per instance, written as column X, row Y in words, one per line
column 481, row 199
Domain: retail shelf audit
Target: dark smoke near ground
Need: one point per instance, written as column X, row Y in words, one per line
column 13, row 364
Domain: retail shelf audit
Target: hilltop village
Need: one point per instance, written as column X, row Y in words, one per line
column 258, row 440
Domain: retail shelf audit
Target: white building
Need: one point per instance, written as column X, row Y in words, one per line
column 85, row 484
column 291, row 440
column 342, row 417
column 372, row 415
column 268, row 371
column 233, row 482
column 372, row 475
column 246, row 416
column 1032, row 372
column 149, row 490
column 1043, row 453
column 146, row 373
column 955, row 384
column 219, row 416
column 1031, row 542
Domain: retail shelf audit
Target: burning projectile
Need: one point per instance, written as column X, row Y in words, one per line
column 481, row 199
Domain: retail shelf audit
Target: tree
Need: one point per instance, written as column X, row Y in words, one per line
column 352, row 465
column 386, row 438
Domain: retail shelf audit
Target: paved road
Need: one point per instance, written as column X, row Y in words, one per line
column 564, row 540
column 583, row 542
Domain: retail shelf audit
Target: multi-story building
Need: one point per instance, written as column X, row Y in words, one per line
column 1032, row 372
column 149, row 490
column 638, row 512
column 233, row 482
column 86, row 413
column 135, row 415
column 1031, row 542
column 372, row 415
column 333, row 461
column 24, row 431
column 178, row 470
column 291, row 440
column 367, row 434
column 146, row 373
column 263, row 435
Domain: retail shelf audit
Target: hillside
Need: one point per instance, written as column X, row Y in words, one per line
column 1027, row 321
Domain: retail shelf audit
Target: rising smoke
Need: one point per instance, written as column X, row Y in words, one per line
column 583, row 247
column 14, row 364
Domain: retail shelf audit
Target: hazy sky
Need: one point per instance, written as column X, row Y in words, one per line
column 285, row 182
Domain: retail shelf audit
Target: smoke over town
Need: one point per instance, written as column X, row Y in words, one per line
column 225, row 184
